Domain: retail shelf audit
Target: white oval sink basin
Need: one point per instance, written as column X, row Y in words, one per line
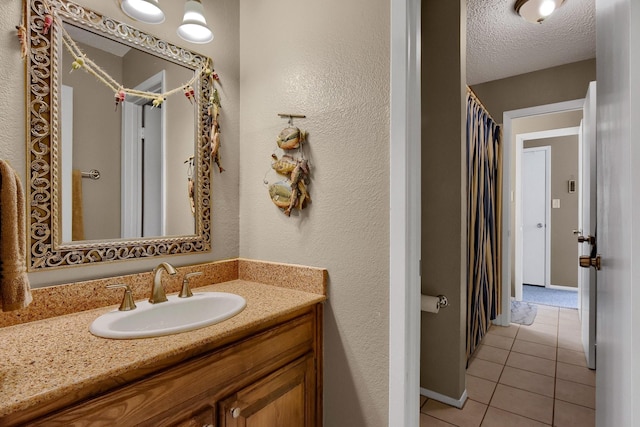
column 171, row 317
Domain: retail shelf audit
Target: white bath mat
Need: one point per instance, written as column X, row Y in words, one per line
column 523, row 313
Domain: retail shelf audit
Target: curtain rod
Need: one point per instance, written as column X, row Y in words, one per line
column 475, row 98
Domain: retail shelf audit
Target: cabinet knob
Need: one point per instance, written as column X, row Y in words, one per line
column 235, row 412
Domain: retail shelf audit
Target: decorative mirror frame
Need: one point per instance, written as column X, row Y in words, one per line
column 43, row 62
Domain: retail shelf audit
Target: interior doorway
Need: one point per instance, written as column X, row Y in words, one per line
column 142, row 165
column 512, row 159
column 558, row 271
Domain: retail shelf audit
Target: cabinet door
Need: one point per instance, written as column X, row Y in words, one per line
column 204, row 418
column 285, row 398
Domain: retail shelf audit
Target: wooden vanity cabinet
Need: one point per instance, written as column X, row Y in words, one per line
column 282, row 399
column 271, row 378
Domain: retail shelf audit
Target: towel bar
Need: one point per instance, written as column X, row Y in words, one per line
column 93, row 174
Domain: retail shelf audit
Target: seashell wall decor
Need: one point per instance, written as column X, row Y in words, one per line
column 290, row 192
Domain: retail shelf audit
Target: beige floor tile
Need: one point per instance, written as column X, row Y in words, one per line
column 423, row 399
column 505, row 331
column 498, row 418
column 529, row 381
column 484, row 369
column 570, row 341
column 569, row 314
column 492, row 354
column 548, row 308
column 427, row 421
column 522, row 402
column 534, row 349
column 479, row 389
column 546, row 318
column 570, row 330
column 572, row 357
column 532, row 363
column 542, row 327
column 537, row 337
column 499, row 341
column 470, row 415
column 579, row 394
column 569, row 415
column 578, row 374
column 565, row 324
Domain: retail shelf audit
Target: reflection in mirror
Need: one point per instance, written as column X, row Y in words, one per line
column 139, row 206
column 128, row 146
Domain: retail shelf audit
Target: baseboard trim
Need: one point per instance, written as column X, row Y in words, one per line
column 562, row 288
column 502, row 319
column 458, row 403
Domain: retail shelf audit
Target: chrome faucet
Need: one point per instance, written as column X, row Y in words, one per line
column 157, row 290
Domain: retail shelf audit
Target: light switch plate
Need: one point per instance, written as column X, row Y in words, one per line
column 555, row 203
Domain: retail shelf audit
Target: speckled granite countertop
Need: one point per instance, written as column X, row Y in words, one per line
column 44, row 360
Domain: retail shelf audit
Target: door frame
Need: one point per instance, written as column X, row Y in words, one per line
column 66, row 160
column 547, row 212
column 518, row 241
column 504, row 319
column 404, row 213
column 131, row 152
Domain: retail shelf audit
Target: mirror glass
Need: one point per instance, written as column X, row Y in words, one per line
column 136, row 150
column 110, row 178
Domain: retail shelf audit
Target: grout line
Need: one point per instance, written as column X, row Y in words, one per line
column 523, row 416
column 574, row 403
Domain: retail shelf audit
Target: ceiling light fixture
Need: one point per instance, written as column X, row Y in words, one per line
column 194, row 26
column 536, row 10
column 146, row 11
column 193, row 29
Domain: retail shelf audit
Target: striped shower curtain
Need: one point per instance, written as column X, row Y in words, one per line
column 484, row 162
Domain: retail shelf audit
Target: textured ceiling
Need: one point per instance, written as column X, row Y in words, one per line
column 501, row 44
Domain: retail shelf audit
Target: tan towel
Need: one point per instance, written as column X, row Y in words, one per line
column 15, row 292
column 77, row 221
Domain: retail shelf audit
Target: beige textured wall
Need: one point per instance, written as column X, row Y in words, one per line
column 330, row 61
column 557, row 84
column 564, row 247
column 223, row 17
column 96, row 143
column 444, row 195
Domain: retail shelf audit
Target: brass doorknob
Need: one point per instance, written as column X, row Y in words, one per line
column 586, row 262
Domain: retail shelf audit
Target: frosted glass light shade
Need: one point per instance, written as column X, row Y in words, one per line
column 194, row 27
column 143, row 10
column 536, row 10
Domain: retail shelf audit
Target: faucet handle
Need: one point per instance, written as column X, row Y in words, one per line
column 127, row 300
column 186, row 290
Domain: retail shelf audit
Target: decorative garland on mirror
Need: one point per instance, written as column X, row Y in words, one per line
column 290, row 193
column 39, row 34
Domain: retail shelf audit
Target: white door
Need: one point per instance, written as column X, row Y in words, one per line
column 587, row 276
column 534, row 215
column 152, row 211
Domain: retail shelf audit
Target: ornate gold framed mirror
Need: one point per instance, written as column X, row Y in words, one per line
column 155, row 189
